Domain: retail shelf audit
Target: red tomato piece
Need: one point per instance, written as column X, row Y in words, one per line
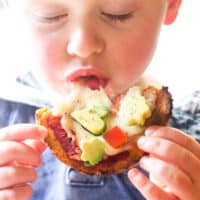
column 115, row 137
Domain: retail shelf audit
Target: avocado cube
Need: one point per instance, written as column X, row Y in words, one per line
column 92, row 151
column 91, row 121
column 101, row 110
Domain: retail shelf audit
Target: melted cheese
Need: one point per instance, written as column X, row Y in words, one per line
column 85, row 97
column 133, row 93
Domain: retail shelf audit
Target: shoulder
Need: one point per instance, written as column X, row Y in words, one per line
column 14, row 112
column 186, row 115
column 7, row 109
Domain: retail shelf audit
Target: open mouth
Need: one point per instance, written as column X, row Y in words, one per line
column 90, row 77
column 93, row 82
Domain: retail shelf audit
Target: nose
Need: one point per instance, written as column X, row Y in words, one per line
column 84, row 42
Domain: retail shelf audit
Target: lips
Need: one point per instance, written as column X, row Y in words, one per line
column 90, row 76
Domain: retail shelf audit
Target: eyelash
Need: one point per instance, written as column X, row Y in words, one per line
column 49, row 20
column 115, row 18
column 118, row 18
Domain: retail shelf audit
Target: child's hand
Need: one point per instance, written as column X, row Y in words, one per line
column 20, row 150
column 173, row 162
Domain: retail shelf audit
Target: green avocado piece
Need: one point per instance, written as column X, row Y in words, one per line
column 92, row 151
column 101, row 110
column 90, row 121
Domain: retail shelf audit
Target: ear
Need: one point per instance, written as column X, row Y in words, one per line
column 172, row 11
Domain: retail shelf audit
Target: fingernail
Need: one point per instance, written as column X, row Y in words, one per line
column 132, row 174
column 149, row 132
column 142, row 141
column 144, row 160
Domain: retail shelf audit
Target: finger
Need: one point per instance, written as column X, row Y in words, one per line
column 173, row 153
column 149, row 190
column 156, row 182
column 177, row 136
column 169, row 175
column 37, row 145
column 18, row 152
column 19, row 192
column 20, row 132
column 11, row 176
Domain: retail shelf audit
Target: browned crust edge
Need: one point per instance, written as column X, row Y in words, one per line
column 122, row 161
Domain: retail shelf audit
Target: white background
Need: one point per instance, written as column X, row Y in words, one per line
column 177, row 59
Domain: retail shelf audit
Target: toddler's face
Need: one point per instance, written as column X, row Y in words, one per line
column 113, row 40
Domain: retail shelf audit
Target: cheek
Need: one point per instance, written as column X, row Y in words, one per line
column 131, row 61
column 49, row 56
column 134, row 55
column 46, row 58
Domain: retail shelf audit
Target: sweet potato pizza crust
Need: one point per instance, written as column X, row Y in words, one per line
column 58, row 141
column 64, row 148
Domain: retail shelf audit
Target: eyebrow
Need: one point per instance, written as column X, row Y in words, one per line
column 49, row 4
column 119, row 3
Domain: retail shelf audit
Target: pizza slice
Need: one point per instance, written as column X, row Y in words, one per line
column 96, row 134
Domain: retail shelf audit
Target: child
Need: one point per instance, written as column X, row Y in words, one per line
column 115, row 40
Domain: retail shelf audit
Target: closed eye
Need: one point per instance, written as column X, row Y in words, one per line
column 118, row 17
column 49, row 20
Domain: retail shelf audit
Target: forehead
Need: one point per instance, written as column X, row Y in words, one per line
column 65, row 2
column 72, row 5
column 87, row 5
